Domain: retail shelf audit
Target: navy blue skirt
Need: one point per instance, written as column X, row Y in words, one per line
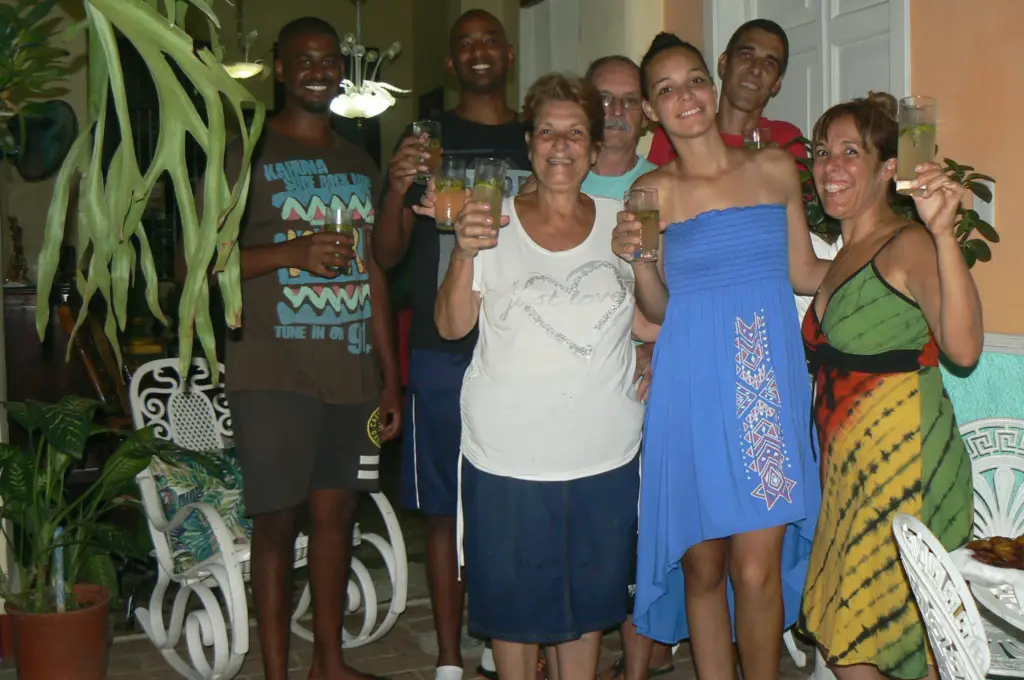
column 547, row 562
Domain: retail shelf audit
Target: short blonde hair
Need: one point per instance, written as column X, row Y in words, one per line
column 556, row 87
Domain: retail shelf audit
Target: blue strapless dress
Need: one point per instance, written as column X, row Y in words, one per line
column 727, row 445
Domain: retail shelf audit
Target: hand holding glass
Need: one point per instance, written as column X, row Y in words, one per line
column 643, row 203
column 432, row 129
column 918, row 117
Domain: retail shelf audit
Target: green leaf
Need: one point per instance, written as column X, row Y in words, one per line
column 16, row 478
column 987, row 230
column 969, row 255
column 121, row 468
column 977, row 175
column 99, row 570
column 66, row 424
column 980, row 249
column 115, row 539
column 28, row 414
column 980, row 190
column 8, row 451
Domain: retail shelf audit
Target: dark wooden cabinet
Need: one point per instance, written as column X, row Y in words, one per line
column 40, row 370
column 37, row 369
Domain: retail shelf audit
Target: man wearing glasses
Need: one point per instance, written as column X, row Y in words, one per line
column 618, row 164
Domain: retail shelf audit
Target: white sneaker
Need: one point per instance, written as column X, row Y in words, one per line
column 448, row 673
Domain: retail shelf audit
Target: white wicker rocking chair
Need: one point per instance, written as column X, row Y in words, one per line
column 194, row 414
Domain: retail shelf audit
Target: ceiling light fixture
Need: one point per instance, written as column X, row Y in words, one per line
column 364, row 96
column 240, row 70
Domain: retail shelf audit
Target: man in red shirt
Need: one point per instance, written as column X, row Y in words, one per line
column 751, row 70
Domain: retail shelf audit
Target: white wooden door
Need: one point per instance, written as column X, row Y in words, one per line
column 839, row 49
column 549, row 40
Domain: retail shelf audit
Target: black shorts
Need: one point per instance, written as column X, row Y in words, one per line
column 290, row 444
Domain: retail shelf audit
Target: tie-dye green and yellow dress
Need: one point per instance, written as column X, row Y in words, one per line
column 889, row 443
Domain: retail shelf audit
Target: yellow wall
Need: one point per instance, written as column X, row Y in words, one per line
column 628, row 26
column 968, row 56
column 29, row 201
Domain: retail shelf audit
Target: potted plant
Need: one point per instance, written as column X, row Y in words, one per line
column 64, row 542
column 31, row 66
column 968, row 221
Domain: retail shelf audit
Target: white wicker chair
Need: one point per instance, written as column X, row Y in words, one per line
column 996, row 446
column 194, row 414
column 955, row 629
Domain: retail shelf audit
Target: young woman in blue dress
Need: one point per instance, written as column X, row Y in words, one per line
column 730, row 494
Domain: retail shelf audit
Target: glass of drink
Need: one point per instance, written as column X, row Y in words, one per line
column 341, row 221
column 758, row 138
column 432, row 129
column 450, row 186
column 644, row 204
column 918, row 117
column 489, row 184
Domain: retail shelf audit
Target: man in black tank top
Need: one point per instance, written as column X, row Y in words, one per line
column 481, row 126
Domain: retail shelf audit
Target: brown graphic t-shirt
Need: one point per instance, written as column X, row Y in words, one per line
column 300, row 332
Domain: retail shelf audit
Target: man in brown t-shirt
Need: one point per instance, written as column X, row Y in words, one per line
column 304, row 377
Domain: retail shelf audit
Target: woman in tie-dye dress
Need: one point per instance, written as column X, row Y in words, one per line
column 897, row 293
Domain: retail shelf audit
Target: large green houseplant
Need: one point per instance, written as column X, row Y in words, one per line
column 111, row 201
column 66, row 543
column 968, row 222
column 37, row 501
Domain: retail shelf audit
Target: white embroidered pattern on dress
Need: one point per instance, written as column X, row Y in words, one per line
column 759, row 408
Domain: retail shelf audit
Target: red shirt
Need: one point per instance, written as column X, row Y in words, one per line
column 782, row 133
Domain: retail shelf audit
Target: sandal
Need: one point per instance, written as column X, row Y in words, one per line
column 618, row 670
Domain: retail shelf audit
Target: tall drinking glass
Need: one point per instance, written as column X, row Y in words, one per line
column 758, row 138
column 341, row 221
column 432, row 129
column 450, row 185
column 918, row 117
column 489, row 184
column 644, row 204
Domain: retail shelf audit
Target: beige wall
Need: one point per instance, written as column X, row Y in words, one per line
column 968, row 56
column 29, row 201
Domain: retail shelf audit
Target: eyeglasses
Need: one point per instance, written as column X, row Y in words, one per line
column 628, row 102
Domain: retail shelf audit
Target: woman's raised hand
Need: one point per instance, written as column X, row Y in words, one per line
column 475, row 230
column 626, row 236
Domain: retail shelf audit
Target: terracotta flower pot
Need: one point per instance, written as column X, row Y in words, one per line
column 68, row 646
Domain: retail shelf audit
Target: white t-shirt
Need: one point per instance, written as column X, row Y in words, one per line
column 549, row 393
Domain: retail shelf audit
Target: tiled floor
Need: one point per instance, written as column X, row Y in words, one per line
column 406, row 653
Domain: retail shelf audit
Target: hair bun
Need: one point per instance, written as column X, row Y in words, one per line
column 885, row 101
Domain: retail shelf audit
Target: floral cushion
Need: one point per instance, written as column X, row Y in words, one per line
column 188, row 481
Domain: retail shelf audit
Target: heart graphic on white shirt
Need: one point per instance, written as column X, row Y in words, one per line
column 549, row 320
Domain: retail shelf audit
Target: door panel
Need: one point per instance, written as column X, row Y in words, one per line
column 839, row 49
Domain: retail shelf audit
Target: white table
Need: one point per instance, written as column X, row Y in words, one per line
column 1000, row 592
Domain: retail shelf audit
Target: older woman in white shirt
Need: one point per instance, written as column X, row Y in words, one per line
column 551, row 420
